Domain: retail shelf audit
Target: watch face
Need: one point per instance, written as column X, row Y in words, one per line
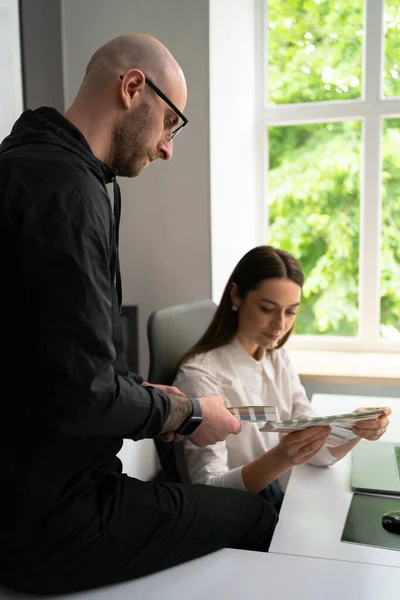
column 191, row 426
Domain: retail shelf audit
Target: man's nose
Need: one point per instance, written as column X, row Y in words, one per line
column 165, row 149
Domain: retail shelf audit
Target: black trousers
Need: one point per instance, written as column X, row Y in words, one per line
column 142, row 527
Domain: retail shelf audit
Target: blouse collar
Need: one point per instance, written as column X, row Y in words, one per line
column 265, row 363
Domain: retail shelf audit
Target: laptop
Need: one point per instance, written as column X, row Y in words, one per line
column 375, row 468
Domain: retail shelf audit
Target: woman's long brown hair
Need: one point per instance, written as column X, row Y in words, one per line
column 260, row 263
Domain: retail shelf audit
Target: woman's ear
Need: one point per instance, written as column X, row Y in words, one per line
column 235, row 300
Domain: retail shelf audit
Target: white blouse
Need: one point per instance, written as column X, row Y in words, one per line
column 242, row 380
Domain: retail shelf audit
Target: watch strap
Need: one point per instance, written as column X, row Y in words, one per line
column 193, row 420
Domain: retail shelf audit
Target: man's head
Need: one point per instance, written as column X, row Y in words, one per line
column 130, row 103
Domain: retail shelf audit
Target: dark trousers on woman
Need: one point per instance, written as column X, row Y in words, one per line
column 273, row 493
column 131, row 528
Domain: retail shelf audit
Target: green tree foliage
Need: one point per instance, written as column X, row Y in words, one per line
column 391, row 27
column 315, row 54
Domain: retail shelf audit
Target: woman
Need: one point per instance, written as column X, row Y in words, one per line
column 242, row 357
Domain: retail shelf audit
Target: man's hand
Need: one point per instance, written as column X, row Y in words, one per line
column 217, row 423
column 372, row 429
column 299, row 447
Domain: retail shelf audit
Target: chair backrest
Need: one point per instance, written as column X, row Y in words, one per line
column 171, row 331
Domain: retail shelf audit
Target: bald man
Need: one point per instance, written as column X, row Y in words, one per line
column 69, row 519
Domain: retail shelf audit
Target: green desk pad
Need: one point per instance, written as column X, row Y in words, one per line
column 364, row 521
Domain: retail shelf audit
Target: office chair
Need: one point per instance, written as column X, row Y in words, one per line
column 170, row 332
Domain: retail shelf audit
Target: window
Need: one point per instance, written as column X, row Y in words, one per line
column 332, row 134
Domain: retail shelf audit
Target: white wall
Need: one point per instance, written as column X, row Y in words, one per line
column 165, row 225
column 10, row 66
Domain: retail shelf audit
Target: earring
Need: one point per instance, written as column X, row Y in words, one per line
column 234, row 308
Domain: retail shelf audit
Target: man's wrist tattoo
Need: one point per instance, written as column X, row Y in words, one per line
column 181, row 408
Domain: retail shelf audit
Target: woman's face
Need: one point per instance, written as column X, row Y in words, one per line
column 267, row 313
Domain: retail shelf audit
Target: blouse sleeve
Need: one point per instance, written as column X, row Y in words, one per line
column 207, row 465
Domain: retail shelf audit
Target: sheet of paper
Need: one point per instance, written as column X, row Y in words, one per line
column 339, row 436
column 343, row 421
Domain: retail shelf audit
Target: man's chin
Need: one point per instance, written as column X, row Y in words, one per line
column 130, row 173
column 134, row 169
column 139, row 168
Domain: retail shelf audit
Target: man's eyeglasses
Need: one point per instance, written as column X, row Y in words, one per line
column 182, row 119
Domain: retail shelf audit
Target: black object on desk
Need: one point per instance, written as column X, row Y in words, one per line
column 391, row 521
column 364, row 521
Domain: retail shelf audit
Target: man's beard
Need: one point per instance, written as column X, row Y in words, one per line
column 129, row 143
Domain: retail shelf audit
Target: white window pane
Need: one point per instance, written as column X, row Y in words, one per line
column 390, row 241
column 314, row 50
column 314, row 213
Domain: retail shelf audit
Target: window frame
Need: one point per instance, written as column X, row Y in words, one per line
column 371, row 110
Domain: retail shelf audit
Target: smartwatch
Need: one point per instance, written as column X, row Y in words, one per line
column 195, row 418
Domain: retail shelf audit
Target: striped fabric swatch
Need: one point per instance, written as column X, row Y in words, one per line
column 255, row 414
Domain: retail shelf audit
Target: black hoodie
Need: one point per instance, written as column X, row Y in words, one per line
column 67, row 397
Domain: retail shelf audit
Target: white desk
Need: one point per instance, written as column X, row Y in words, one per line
column 238, row 575
column 317, row 500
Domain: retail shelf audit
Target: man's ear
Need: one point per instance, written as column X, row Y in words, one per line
column 131, row 83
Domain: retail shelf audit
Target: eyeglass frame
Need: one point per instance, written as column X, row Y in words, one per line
column 170, row 104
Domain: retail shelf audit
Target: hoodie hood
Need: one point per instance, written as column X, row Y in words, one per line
column 47, row 126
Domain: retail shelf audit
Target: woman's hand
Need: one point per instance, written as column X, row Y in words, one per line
column 372, row 429
column 300, row 446
column 293, row 449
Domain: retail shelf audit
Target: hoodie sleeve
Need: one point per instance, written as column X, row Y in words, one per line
column 65, row 253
